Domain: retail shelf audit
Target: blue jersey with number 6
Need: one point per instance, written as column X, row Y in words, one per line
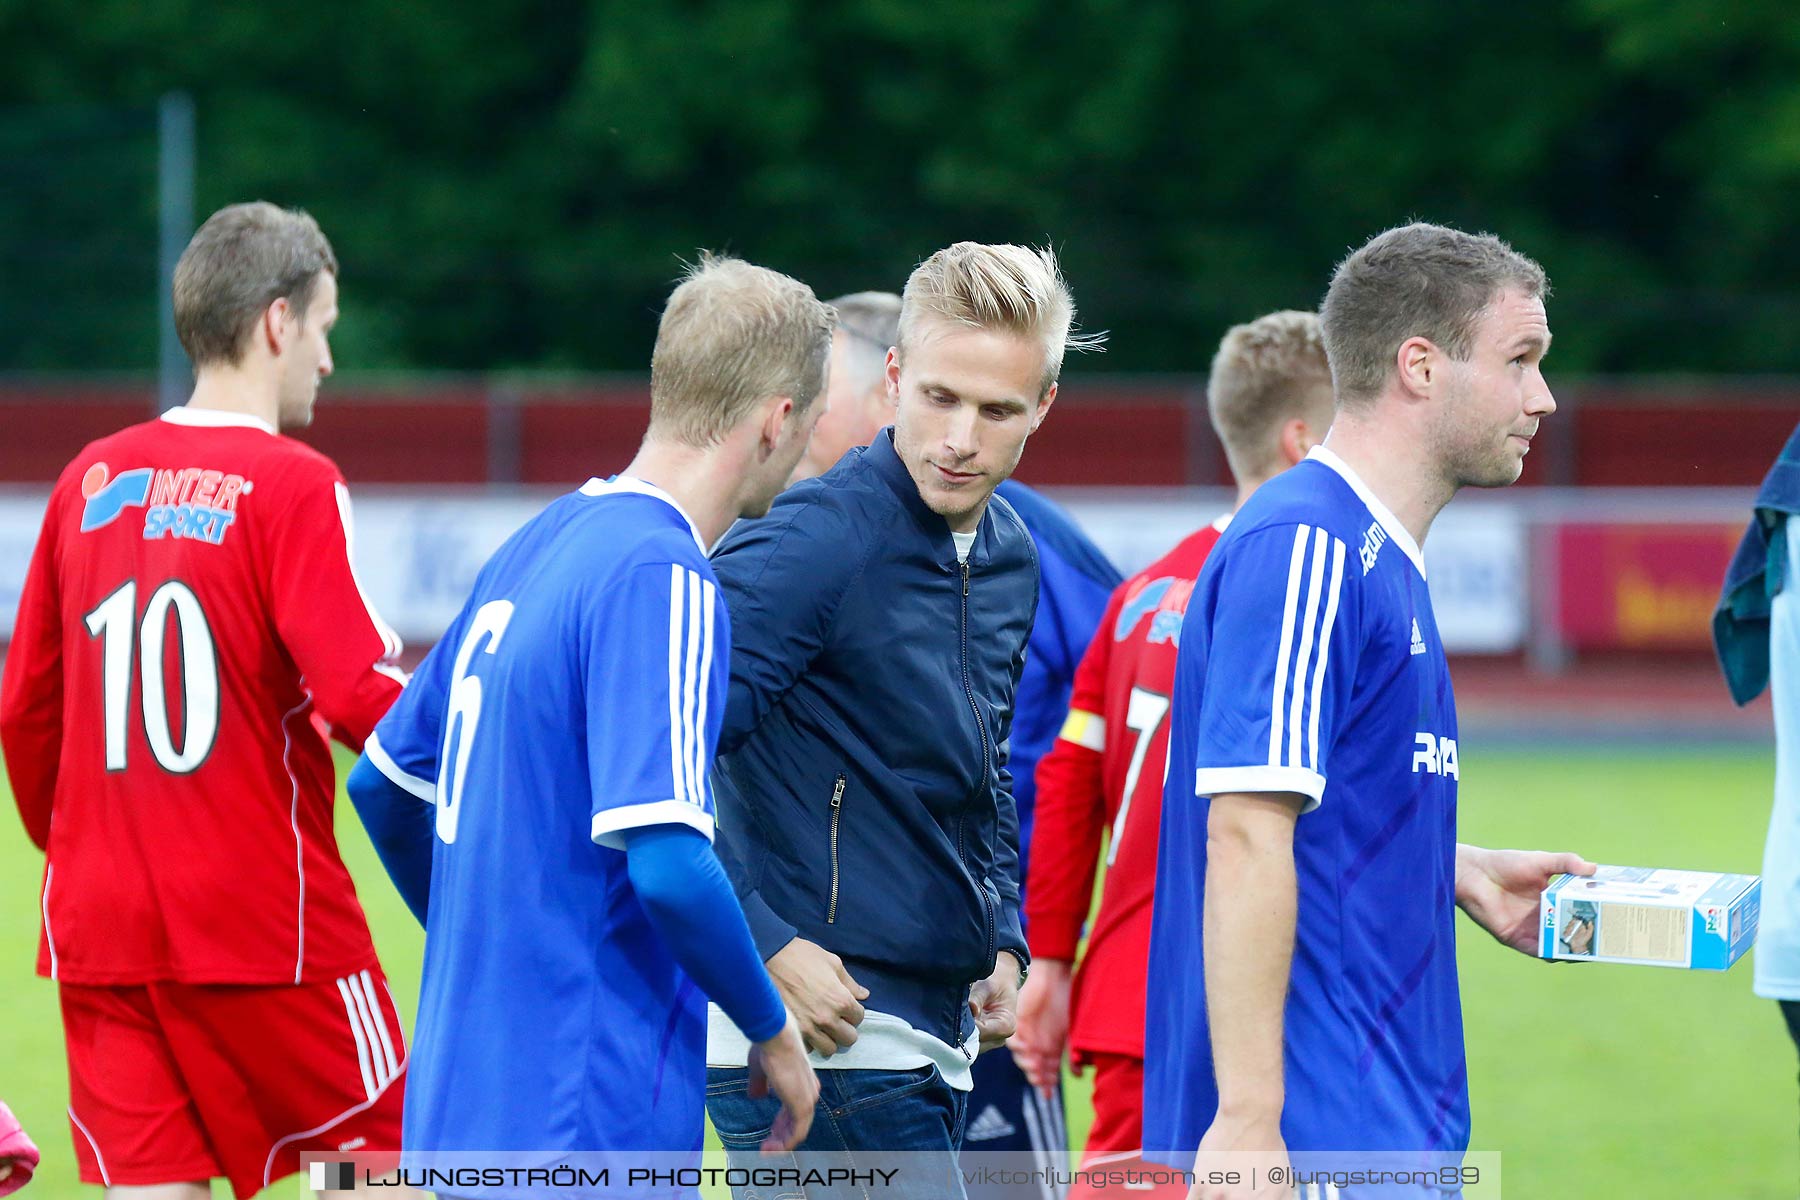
column 1310, row 664
column 576, row 696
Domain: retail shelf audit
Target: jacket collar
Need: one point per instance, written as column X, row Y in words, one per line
column 885, row 460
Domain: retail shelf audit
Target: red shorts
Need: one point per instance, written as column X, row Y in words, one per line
column 1116, row 1138
column 172, row 1083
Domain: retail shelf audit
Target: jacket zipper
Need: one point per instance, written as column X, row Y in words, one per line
column 987, row 907
column 837, row 811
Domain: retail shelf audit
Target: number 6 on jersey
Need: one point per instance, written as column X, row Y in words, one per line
column 490, row 623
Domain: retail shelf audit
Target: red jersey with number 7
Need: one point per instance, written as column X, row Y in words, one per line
column 1104, row 778
column 189, row 631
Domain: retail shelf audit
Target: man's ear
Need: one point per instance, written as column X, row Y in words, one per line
column 277, row 327
column 1043, row 408
column 1296, row 438
column 776, row 413
column 891, row 377
column 1418, row 362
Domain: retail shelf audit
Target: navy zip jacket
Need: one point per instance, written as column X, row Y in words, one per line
column 864, row 801
column 1075, row 581
column 1741, row 623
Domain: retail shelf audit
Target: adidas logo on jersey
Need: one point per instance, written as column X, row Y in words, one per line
column 1418, row 643
column 988, row 1125
column 1374, row 538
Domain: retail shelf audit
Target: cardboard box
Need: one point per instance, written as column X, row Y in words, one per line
column 1695, row 919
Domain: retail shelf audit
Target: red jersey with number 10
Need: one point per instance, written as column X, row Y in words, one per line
column 1105, row 773
column 189, row 625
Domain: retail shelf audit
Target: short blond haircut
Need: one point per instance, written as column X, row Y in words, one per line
column 1266, row 373
column 732, row 336
column 1015, row 289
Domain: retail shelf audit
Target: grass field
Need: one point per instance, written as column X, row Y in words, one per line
column 1599, row 1081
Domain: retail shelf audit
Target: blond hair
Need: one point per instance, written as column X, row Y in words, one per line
column 243, row 259
column 732, row 336
column 1417, row 280
column 1266, row 372
column 1015, row 289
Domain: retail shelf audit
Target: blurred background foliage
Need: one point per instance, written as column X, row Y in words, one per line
column 510, row 185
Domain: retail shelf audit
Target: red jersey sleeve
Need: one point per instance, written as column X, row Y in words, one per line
column 31, row 695
column 1071, row 808
column 344, row 650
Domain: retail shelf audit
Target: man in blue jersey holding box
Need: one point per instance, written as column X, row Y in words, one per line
column 1303, row 950
column 559, row 739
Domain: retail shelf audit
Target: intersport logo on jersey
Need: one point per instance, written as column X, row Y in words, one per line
column 186, row 502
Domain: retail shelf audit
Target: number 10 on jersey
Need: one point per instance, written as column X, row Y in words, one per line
column 124, row 637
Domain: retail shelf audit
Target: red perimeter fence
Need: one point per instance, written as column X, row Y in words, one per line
column 1106, row 430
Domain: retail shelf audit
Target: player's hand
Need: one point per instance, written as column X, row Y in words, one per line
column 825, row 1001
column 995, row 1001
column 1043, row 1033
column 1501, row 889
column 779, row 1065
column 1247, row 1148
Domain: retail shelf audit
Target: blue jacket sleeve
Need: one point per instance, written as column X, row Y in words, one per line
column 1009, row 929
column 686, row 896
column 399, row 824
column 784, row 577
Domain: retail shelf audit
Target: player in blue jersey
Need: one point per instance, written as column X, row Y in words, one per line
column 559, row 739
column 1303, row 992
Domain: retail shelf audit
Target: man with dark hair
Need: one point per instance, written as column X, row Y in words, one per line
column 1269, row 394
column 1303, row 950
column 189, row 626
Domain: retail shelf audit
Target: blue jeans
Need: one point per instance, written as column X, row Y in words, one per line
column 913, row 1114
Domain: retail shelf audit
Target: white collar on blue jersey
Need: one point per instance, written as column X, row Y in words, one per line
column 215, row 418
column 628, row 483
column 1395, row 530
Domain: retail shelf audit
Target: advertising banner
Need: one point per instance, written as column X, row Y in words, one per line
column 1640, row 586
column 417, row 554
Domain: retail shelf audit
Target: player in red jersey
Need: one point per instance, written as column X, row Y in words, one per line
column 1270, row 399
column 189, row 628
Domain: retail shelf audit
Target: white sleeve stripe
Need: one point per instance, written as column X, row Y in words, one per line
column 1287, row 634
column 689, row 702
column 677, row 599
column 610, row 823
column 708, row 595
column 1216, row 781
column 390, row 641
column 379, row 758
column 1303, row 663
column 1331, row 611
